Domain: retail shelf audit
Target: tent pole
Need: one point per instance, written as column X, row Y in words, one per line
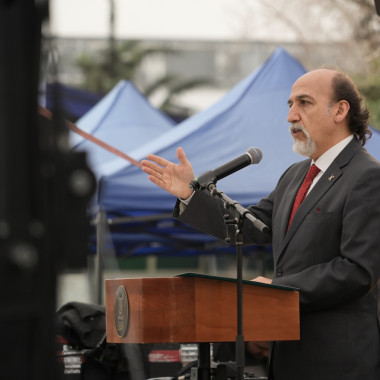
column 98, row 264
column 91, row 276
column 91, row 262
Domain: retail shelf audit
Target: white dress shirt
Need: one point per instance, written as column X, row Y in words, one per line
column 328, row 157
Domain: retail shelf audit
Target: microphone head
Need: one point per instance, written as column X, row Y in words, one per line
column 255, row 155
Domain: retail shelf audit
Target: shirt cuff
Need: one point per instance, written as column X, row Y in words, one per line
column 187, row 200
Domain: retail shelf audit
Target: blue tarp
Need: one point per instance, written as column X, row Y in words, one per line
column 373, row 144
column 253, row 113
column 124, row 119
column 74, row 102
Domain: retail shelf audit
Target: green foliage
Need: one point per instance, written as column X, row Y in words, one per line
column 369, row 86
column 103, row 70
column 122, row 61
column 374, row 106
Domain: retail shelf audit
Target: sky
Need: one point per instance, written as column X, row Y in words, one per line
column 159, row 19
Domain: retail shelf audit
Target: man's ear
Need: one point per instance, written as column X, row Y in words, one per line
column 341, row 110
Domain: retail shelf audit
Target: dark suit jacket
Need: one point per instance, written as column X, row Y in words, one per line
column 331, row 252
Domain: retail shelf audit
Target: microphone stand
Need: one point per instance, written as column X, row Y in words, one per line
column 240, row 213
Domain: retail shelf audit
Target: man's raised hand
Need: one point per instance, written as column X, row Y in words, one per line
column 169, row 176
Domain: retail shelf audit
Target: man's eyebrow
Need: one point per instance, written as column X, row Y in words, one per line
column 300, row 97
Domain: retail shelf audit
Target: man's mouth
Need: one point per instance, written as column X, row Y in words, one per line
column 296, row 131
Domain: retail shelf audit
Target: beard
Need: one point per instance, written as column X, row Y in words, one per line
column 304, row 148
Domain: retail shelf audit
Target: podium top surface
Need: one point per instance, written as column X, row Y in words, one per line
column 245, row 282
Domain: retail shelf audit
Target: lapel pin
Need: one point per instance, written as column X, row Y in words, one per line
column 331, row 177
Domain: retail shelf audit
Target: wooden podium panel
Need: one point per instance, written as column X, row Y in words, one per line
column 197, row 308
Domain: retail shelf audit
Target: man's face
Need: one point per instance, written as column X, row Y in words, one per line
column 310, row 113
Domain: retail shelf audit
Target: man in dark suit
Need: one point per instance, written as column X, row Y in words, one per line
column 330, row 247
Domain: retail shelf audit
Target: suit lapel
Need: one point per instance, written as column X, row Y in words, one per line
column 291, row 195
column 324, row 184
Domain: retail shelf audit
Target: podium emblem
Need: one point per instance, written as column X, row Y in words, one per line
column 121, row 311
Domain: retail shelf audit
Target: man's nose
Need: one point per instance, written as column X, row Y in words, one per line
column 293, row 115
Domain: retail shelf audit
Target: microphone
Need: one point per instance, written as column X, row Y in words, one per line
column 204, row 180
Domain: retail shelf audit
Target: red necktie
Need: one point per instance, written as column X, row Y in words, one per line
column 313, row 171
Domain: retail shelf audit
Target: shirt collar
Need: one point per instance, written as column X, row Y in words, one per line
column 329, row 156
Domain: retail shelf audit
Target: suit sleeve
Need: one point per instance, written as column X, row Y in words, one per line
column 206, row 213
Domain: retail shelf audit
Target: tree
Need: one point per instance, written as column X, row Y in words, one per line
column 351, row 24
column 369, row 86
column 123, row 61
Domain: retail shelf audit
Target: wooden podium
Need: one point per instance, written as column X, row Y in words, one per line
column 193, row 308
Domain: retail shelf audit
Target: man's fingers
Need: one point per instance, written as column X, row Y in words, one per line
column 146, row 169
column 156, row 181
column 181, row 156
column 262, row 279
column 158, row 160
column 150, row 167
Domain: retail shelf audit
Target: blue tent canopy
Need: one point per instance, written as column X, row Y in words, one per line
column 253, row 113
column 373, row 144
column 124, row 119
column 75, row 102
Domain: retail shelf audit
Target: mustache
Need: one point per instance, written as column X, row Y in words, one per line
column 297, row 128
